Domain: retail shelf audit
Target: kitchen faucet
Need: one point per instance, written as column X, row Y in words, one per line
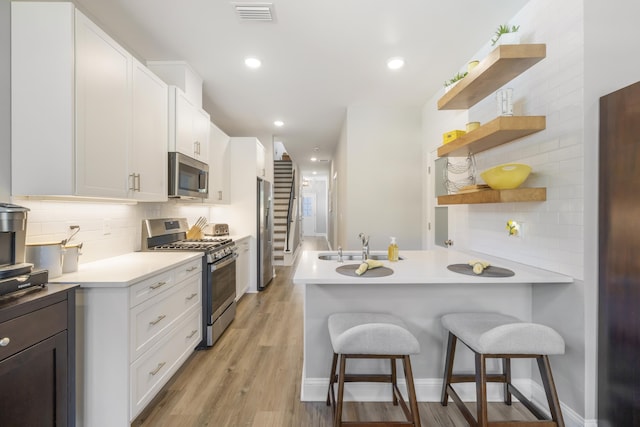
column 365, row 246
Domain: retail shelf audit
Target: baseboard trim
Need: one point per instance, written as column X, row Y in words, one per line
column 430, row 390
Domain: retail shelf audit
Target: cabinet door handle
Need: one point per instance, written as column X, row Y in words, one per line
column 155, row 371
column 5, row 341
column 157, row 285
column 190, row 269
column 192, row 296
column 195, row 331
column 132, row 181
column 219, row 195
column 136, row 180
column 159, row 318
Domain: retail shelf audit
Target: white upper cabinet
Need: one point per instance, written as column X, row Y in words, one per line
column 103, row 112
column 74, row 96
column 149, row 148
column 188, row 126
column 219, row 166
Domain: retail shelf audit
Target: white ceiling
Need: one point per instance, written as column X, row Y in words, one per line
column 318, row 57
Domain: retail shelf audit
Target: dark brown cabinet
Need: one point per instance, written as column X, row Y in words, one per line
column 619, row 269
column 37, row 357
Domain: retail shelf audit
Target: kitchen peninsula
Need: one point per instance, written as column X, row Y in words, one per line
column 420, row 290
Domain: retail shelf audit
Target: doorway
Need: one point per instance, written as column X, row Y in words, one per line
column 309, row 214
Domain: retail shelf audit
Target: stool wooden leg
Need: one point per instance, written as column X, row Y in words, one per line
column 332, row 379
column 550, row 390
column 337, row 420
column 448, row 368
column 481, row 391
column 394, row 380
column 506, row 371
column 411, row 391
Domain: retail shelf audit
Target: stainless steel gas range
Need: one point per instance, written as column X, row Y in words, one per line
column 218, row 267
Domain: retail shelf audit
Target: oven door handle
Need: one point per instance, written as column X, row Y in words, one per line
column 226, row 262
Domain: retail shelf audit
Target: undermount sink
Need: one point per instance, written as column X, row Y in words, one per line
column 354, row 257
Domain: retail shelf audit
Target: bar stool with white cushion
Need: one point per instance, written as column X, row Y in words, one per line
column 372, row 336
column 494, row 335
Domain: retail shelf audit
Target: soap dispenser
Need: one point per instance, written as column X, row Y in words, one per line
column 393, row 250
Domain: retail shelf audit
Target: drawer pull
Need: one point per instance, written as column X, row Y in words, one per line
column 155, row 322
column 190, row 269
column 195, row 331
column 5, row 341
column 157, row 285
column 192, row 296
column 155, row 371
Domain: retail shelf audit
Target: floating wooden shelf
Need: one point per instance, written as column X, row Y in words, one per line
column 495, row 196
column 492, row 134
column 503, row 64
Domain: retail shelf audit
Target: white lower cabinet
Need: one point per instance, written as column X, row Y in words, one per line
column 132, row 339
column 151, row 371
column 243, row 264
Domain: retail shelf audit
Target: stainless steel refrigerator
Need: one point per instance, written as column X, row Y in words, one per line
column 265, row 234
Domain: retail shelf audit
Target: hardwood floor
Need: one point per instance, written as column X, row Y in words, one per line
column 251, row 377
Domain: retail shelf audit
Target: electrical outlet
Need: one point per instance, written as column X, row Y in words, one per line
column 106, row 226
column 515, row 228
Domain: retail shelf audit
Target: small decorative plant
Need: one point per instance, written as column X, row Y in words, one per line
column 459, row 76
column 504, row 29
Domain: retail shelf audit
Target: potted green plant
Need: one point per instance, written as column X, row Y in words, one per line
column 449, row 84
column 506, row 35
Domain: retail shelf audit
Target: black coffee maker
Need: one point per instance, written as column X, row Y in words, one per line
column 15, row 274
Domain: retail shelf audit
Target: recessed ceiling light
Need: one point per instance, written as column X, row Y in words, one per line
column 279, row 123
column 314, row 159
column 395, row 63
column 252, row 63
column 314, row 172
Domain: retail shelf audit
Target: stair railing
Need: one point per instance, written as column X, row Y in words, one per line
column 292, row 196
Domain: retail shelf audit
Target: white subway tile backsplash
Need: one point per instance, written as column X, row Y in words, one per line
column 554, row 229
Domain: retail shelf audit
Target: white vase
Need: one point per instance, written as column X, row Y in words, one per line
column 451, row 86
column 508, row 38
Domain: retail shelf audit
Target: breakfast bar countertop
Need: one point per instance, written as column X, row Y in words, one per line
column 419, row 267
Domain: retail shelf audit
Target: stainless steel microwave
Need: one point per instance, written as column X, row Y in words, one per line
column 188, row 177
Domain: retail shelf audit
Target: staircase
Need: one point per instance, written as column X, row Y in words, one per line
column 282, row 176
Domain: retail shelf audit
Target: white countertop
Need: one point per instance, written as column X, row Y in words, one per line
column 419, row 267
column 125, row 270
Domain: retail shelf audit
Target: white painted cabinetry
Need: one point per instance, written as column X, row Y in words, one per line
column 243, row 265
column 75, row 95
column 219, row 166
column 148, row 166
column 103, row 117
column 132, row 339
column 188, row 126
column 245, row 152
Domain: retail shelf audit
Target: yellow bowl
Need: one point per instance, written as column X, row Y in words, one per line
column 507, row 176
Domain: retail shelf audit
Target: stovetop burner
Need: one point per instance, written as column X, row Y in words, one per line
column 170, row 235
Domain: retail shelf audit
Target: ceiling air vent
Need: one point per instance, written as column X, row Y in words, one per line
column 254, row 11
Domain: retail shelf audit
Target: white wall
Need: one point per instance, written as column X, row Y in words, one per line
column 553, row 231
column 338, row 183
column 612, row 38
column 382, row 193
column 5, row 101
